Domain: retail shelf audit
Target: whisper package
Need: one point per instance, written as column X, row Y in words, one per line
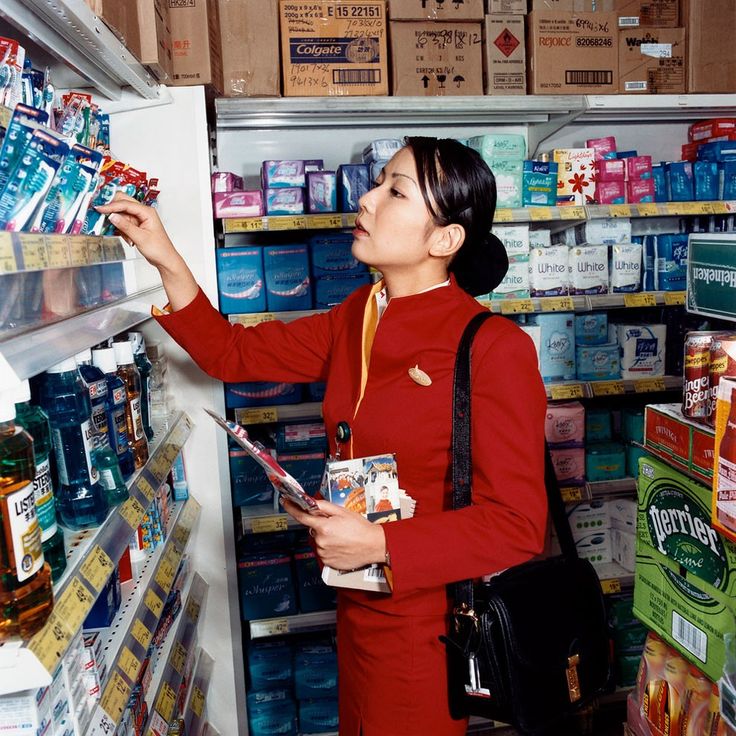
column 288, row 285
column 240, row 280
column 353, row 181
column 331, row 255
column 331, row 291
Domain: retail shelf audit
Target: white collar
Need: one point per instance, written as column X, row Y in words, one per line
column 382, row 298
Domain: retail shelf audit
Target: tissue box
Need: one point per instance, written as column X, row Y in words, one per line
column 605, row 461
column 286, row 201
column 321, row 192
column 596, row 547
column 591, row 328
column 331, row 291
column 238, row 204
column 564, row 424
column 266, row 586
column 585, row 518
column 548, row 271
column 288, row 285
column 623, row 549
column 331, row 255
column 240, row 280
column 353, row 181
column 598, row 362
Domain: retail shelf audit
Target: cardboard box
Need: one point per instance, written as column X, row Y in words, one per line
column 249, row 32
column 658, row 13
column 504, row 55
column 120, row 16
column 711, row 51
column 576, row 6
column 436, row 59
column 334, row 47
column 572, row 53
column 507, row 7
column 152, row 44
column 652, row 60
column 195, row 43
column 435, row 10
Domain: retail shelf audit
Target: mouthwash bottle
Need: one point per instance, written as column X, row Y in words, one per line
column 35, row 421
column 26, row 595
column 111, row 478
column 160, row 402
column 130, row 376
column 144, row 368
column 115, row 405
column 80, row 501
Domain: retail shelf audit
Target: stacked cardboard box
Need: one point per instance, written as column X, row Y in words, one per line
column 504, row 48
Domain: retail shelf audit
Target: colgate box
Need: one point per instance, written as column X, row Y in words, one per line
column 686, row 445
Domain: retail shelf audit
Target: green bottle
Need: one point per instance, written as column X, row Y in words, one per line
column 144, row 368
column 36, row 422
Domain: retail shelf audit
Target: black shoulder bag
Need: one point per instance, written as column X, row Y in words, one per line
column 530, row 646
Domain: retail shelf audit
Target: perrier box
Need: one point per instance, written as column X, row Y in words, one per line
column 685, row 570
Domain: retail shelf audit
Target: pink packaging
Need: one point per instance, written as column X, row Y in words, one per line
column 610, row 192
column 640, row 190
column 569, row 465
column 613, row 169
column 638, row 167
column 601, row 146
column 238, row 204
column 564, row 424
column 226, row 181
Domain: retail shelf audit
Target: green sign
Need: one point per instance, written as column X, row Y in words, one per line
column 711, row 275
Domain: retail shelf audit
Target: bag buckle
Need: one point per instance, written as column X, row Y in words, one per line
column 464, row 611
column 573, row 682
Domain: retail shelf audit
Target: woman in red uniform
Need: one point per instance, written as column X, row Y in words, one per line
column 387, row 354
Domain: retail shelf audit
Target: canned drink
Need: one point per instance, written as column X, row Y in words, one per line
column 722, row 363
column 696, row 390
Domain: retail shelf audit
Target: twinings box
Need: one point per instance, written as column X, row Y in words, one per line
column 436, row 59
column 659, row 13
column 652, row 60
column 572, row 53
column 504, row 55
column 507, row 7
column 435, row 10
column 333, row 47
column 711, row 51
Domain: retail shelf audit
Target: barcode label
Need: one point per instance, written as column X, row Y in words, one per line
column 635, row 86
column 356, row 76
column 689, row 636
column 628, row 21
column 588, row 76
column 657, row 50
column 374, row 574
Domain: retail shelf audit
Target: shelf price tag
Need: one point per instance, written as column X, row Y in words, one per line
column 102, row 724
column 269, row 627
column 256, row 415
column 542, row 214
column 58, row 250
column 269, row 524
column 51, row 642
column 196, row 702
column 153, row 603
column 78, row 250
column 572, row 213
column 166, row 701
column 35, row 255
column 642, row 299
column 299, row 222
column 193, row 609
column 94, row 250
column 165, row 575
column 97, row 568
column 567, row 391
column 504, row 215
column 8, row 263
column 115, row 698
column 141, row 633
column 132, row 511
column 619, row 210
column 674, row 298
column 607, row 388
column 145, row 488
column 647, row 209
column 326, row 222
column 612, row 585
column 244, row 225
column 649, row 385
column 248, row 320
column 517, row 306
column 129, row 664
column 178, row 657
column 571, row 494
column 557, row 304
column 74, row 604
column 721, row 208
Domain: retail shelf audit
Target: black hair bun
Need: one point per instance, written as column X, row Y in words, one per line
column 479, row 267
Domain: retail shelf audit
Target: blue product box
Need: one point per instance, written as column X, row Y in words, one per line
column 286, row 201
column 270, row 665
column 375, row 171
column 318, row 715
column 670, row 262
column 381, row 149
column 288, row 285
column 314, row 594
column 605, row 461
column 539, row 187
column 632, row 425
column 541, row 167
column 300, row 436
column 727, row 180
column 598, row 362
column 279, row 174
column 321, row 192
column 660, row 183
column 591, row 329
column 315, row 672
column 316, row 391
column 679, row 176
column 557, row 343
column 261, row 393
column 627, row 154
column 248, row 482
column 106, row 606
column 598, row 425
column 331, row 255
column 240, row 280
column 307, row 467
column 717, row 151
column 705, row 174
column 266, row 586
column 272, row 712
column 353, row 181
column 331, row 291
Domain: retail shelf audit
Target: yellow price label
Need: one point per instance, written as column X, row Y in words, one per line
column 8, row 263
column 571, row 494
column 504, row 215
column 97, row 568
column 178, row 657
column 572, row 213
column 612, row 585
column 35, row 255
column 607, row 388
column 643, row 299
column 517, row 306
column 269, row 627
column 287, row 223
column 173, row 556
column 115, row 698
column 673, row 208
column 196, row 702
column 50, row 643
column 159, row 468
column 257, row 415
column 94, row 250
column 5, row 114
column 619, row 210
column 266, row 524
column 129, row 664
column 166, row 701
column 557, row 304
column 181, row 535
column 153, row 603
column 567, row 391
column 538, row 214
column 244, row 225
column 78, row 250
column 722, row 208
column 58, row 250
column 73, row 605
column 113, row 249
column 674, row 298
column 145, row 488
column 249, row 320
column 132, row 511
column 193, row 609
column 165, row 575
column 648, row 209
column 140, row 632
column 649, row 385
column 318, row 222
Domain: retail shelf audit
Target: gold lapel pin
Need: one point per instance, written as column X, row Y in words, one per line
column 419, row 376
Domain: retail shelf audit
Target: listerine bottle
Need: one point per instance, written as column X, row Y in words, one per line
column 117, row 423
column 130, row 376
column 111, row 477
column 144, row 368
column 80, row 501
column 26, row 595
column 35, row 421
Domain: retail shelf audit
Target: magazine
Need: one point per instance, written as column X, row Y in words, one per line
column 284, row 483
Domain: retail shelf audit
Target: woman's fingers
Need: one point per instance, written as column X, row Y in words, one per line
column 128, row 227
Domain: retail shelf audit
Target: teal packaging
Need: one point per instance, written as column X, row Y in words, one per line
column 330, row 254
column 598, row 362
column 266, row 586
column 301, row 436
column 660, row 183
column 679, row 177
column 288, row 285
column 318, row 716
column 633, row 453
column 591, row 328
column 353, row 181
column 705, row 177
column 240, row 280
column 539, row 184
column 605, row 461
column 494, row 146
column 248, row 483
column 271, row 713
column 286, row 201
column 315, row 671
column 670, row 261
column 632, row 425
column 307, row 467
column 283, row 174
column 270, row 665
column 717, row 151
column 727, row 180
column 598, row 425
column 557, row 356
column 24, row 121
column 332, row 291
column 261, row 393
column 314, row 594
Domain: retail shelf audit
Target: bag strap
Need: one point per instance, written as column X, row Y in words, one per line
column 462, row 461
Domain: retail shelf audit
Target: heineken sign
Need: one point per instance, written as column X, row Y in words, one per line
column 711, row 275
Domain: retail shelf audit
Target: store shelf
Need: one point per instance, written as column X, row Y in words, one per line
column 605, row 489
column 284, row 413
column 614, row 578
column 301, row 623
column 279, row 223
column 69, row 31
column 263, row 519
column 36, row 349
column 567, row 390
column 194, row 711
column 657, row 108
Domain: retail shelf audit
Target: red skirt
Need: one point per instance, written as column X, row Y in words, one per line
column 392, row 674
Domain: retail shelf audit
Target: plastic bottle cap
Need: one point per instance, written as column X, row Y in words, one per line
column 64, row 367
column 104, row 359
column 137, row 341
column 23, row 392
column 7, row 406
column 123, row 353
column 85, row 356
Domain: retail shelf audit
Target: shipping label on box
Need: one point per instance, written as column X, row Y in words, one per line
column 572, row 53
column 436, row 59
column 576, row 6
column 334, row 47
column 652, row 60
column 504, row 55
column 634, row 13
column 435, row 10
column 507, row 7
column 195, row 43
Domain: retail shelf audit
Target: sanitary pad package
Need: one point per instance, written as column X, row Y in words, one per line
column 331, row 255
column 625, row 267
column 670, row 262
column 515, row 284
column 564, row 424
column 643, row 350
column 285, row 201
column 508, row 174
column 548, row 271
column 588, row 266
column 515, row 239
column 321, row 192
column 591, row 328
column 240, row 280
column 495, row 146
column 288, row 285
column 598, row 362
column 539, row 239
column 353, row 181
column 608, row 231
column 558, row 345
column 569, row 464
